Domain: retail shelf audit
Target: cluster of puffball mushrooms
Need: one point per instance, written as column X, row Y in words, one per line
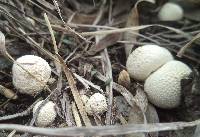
column 161, row 74
column 150, row 63
column 30, row 75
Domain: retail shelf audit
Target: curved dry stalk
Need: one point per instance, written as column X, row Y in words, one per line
column 101, row 130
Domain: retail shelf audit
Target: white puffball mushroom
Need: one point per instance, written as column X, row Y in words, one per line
column 163, row 87
column 46, row 115
column 26, row 83
column 170, row 12
column 96, row 104
column 145, row 60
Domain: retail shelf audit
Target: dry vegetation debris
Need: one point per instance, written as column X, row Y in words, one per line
column 86, row 43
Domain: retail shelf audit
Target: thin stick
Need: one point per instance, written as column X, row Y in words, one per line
column 76, row 115
column 65, row 24
column 101, row 130
column 189, row 44
column 58, row 67
column 121, row 30
column 109, row 87
column 51, row 32
column 12, row 133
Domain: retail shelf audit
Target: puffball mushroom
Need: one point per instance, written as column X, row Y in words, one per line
column 26, row 83
column 145, row 60
column 96, row 104
column 163, row 87
column 170, row 12
column 46, row 115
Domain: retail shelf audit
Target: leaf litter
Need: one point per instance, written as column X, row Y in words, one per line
column 46, row 28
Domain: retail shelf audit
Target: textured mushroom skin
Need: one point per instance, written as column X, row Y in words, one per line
column 96, row 104
column 163, row 87
column 37, row 66
column 46, row 115
column 145, row 60
column 170, row 12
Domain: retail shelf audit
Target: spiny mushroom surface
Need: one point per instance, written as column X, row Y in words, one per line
column 46, row 115
column 26, row 83
column 163, row 87
column 145, row 60
column 170, row 12
column 96, row 104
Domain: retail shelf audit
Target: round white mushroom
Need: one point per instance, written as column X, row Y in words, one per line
column 96, row 104
column 26, row 83
column 170, row 12
column 145, row 60
column 163, row 87
column 46, row 115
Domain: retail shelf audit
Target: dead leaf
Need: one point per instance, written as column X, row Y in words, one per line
column 136, row 117
column 137, row 112
column 141, row 99
column 122, row 106
column 152, row 117
column 133, row 20
column 104, row 42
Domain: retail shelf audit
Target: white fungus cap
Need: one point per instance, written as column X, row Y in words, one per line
column 23, row 81
column 170, row 12
column 163, row 87
column 96, row 104
column 145, row 60
column 46, row 115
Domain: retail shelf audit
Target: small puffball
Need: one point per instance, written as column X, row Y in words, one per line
column 46, row 115
column 145, row 60
column 163, row 87
column 96, row 104
column 170, row 12
column 26, row 83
